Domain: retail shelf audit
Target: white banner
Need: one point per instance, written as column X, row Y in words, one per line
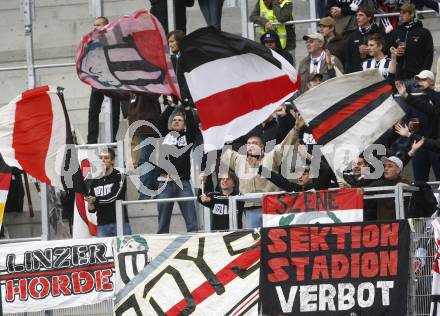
column 203, row 274
column 56, row 274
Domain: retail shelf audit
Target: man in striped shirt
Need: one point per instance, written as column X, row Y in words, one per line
column 378, row 59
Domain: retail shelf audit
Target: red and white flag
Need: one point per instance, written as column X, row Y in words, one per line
column 130, row 54
column 235, row 83
column 347, row 114
column 85, row 224
column 311, row 207
column 34, row 132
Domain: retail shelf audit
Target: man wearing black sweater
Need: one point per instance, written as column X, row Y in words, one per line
column 414, row 44
column 103, row 194
column 175, row 166
column 357, row 43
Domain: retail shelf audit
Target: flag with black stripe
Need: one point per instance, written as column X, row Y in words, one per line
column 356, row 110
column 128, row 55
column 235, row 83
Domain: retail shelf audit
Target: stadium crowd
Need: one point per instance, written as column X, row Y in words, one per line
column 403, row 56
column 350, row 39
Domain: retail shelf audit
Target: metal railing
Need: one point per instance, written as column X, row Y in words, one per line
column 421, row 253
column 252, row 26
column 397, row 192
column 44, row 194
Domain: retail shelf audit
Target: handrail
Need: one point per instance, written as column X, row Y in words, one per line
column 40, row 66
column 305, row 21
column 19, row 240
column 397, row 192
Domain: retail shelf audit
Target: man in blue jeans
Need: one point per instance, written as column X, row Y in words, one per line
column 104, row 192
column 175, row 166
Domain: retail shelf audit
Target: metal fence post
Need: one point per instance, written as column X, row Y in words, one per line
column 312, row 8
column 232, row 208
column 171, row 15
column 96, row 8
column 44, row 212
column 244, row 18
column 120, row 155
column 399, row 202
column 119, row 218
column 206, row 219
column 108, row 120
column 27, row 15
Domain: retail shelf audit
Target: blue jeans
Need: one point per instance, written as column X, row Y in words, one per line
column 254, row 217
column 148, row 173
column 109, row 230
column 187, row 208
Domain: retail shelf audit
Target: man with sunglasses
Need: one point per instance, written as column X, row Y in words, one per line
column 103, row 193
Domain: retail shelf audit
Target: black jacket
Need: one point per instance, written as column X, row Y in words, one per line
column 107, row 190
column 353, row 60
column 183, row 86
column 432, row 110
column 343, row 4
column 322, row 182
column 338, row 47
column 178, row 140
column 419, row 49
column 381, row 209
column 219, row 208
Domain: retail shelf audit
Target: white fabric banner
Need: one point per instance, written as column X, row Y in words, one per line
column 56, row 274
column 203, row 274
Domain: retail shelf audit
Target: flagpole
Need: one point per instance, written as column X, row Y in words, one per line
column 28, row 194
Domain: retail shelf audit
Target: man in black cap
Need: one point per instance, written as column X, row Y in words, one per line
column 271, row 40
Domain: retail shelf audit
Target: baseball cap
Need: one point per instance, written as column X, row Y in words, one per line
column 425, row 74
column 268, row 37
column 315, row 36
column 327, row 21
column 395, row 160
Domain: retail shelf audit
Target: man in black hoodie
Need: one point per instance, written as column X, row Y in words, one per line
column 357, row 48
column 414, row 44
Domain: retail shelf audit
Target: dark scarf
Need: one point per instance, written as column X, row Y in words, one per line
column 409, row 25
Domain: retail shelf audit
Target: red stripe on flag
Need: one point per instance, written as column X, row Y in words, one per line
column 32, row 132
column 223, row 107
column 225, row 275
column 5, row 181
column 324, row 200
column 333, row 121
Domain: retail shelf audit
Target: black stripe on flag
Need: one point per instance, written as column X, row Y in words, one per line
column 208, row 44
column 355, row 117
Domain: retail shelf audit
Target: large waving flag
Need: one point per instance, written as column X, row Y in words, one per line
column 130, row 54
column 235, row 83
column 348, row 113
column 34, row 134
